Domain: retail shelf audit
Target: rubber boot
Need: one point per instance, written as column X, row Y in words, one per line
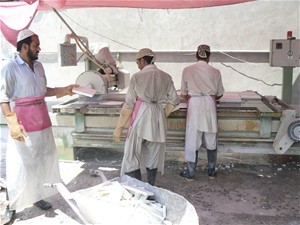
column 151, row 175
column 212, row 161
column 135, row 174
column 189, row 174
column 196, row 159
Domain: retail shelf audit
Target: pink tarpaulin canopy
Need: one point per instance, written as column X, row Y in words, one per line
column 17, row 15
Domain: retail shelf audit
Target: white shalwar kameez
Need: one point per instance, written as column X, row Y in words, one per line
column 28, row 165
column 146, row 138
column 201, row 82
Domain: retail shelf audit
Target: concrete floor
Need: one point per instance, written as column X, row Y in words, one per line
column 249, row 189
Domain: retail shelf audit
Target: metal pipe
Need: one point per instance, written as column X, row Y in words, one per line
column 181, row 56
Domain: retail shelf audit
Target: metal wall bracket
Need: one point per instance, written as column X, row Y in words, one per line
column 282, row 140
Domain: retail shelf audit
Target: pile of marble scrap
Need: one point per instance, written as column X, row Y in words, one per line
column 3, row 202
column 128, row 201
column 120, row 203
column 3, row 205
column 179, row 211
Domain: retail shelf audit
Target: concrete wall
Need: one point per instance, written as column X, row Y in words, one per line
column 243, row 27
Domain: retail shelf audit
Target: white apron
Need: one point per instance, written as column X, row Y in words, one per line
column 201, row 117
column 29, row 166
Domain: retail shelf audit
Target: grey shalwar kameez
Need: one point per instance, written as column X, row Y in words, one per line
column 146, row 139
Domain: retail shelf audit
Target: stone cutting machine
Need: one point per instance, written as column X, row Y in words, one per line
column 247, row 121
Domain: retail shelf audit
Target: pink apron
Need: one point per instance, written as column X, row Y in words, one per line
column 32, row 113
column 134, row 113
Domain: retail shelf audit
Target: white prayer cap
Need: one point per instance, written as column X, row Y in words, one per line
column 23, row 34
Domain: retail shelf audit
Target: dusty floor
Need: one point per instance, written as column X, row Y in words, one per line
column 247, row 191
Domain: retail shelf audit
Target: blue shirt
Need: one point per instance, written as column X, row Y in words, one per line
column 18, row 80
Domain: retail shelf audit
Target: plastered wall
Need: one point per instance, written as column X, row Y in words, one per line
column 245, row 27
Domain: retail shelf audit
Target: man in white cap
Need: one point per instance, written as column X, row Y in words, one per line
column 31, row 158
column 201, row 85
column 149, row 90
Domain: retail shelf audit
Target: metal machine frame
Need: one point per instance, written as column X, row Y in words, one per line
column 253, row 125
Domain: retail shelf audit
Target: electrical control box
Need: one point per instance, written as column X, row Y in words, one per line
column 285, row 53
column 68, row 54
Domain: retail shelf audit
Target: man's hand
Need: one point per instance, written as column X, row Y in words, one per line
column 168, row 109
column 62, row 91
column 117, row 134
column 16, row 130
column 124, row 117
